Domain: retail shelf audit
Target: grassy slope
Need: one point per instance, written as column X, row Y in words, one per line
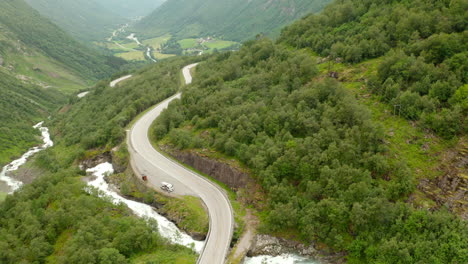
column 22, row 59
column 22, row 105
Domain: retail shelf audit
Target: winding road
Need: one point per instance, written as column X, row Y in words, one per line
column 146, row 160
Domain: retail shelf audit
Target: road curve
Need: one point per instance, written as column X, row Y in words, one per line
column 146, row 160
column 115, row 82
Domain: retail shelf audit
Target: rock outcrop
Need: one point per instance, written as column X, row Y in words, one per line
column 96, row 160
column 451, row 188
column 233, row 177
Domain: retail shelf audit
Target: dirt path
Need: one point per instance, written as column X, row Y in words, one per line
column 245, row 242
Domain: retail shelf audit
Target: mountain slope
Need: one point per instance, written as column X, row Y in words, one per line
column 21, row 106
column 33, row 30
column 230, row 19
column 131, row 8
column 83, row 19
column 39, row 63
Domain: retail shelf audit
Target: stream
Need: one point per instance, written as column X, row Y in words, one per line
column 148, row 53
column 13, row 184
column 148, row 50
column 166, row 228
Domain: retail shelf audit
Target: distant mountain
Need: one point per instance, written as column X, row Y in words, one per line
column 230, row 19
column 87, row 20
column 131, row 8
column 34, row 31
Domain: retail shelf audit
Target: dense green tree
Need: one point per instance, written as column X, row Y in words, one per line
column 315, row 150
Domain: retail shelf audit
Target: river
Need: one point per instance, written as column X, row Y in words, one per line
column 10, row 184
column 283, row 259
column 166, row 228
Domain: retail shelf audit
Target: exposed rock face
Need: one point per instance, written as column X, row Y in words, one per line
column 451, row 188
column 273, row 246
column 225, row 173
column 94, row 161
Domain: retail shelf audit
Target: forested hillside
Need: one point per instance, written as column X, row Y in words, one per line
column 83, row 19
column 228, row 19
column 423, row 65
column 55, row 219
column 317, row 153
column 35, row 31
column 22, row 105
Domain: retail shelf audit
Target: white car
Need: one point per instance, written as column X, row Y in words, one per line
column 165, row 186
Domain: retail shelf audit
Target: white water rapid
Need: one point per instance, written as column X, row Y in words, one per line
column 14, row 165
column 166, row 228
column 148, row 53
column 134, row 38
column 283, row 259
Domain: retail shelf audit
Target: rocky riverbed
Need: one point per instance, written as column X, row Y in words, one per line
column 273, row 249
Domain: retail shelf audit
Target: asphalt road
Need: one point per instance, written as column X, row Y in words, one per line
column 115, row 82
column 146, row 160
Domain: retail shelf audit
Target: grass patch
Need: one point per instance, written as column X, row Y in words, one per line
column 188, row 43
column 179, row 256
column 129, row 45
column 156, row 42
column 132, row 55
column 59, row 245
column 161, row 56
column 3, row 196
column 190, row 211
column 219, row 44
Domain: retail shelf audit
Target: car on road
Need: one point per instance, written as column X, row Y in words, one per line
column 165, row 186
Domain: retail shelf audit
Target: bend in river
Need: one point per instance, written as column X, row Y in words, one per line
column 14, row 184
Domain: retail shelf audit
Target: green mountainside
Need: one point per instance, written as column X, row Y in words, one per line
column 37, row 32
column 22, row 105
column 228, row 19
column 131, row 8
column 83, row 19
column 39, row 63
